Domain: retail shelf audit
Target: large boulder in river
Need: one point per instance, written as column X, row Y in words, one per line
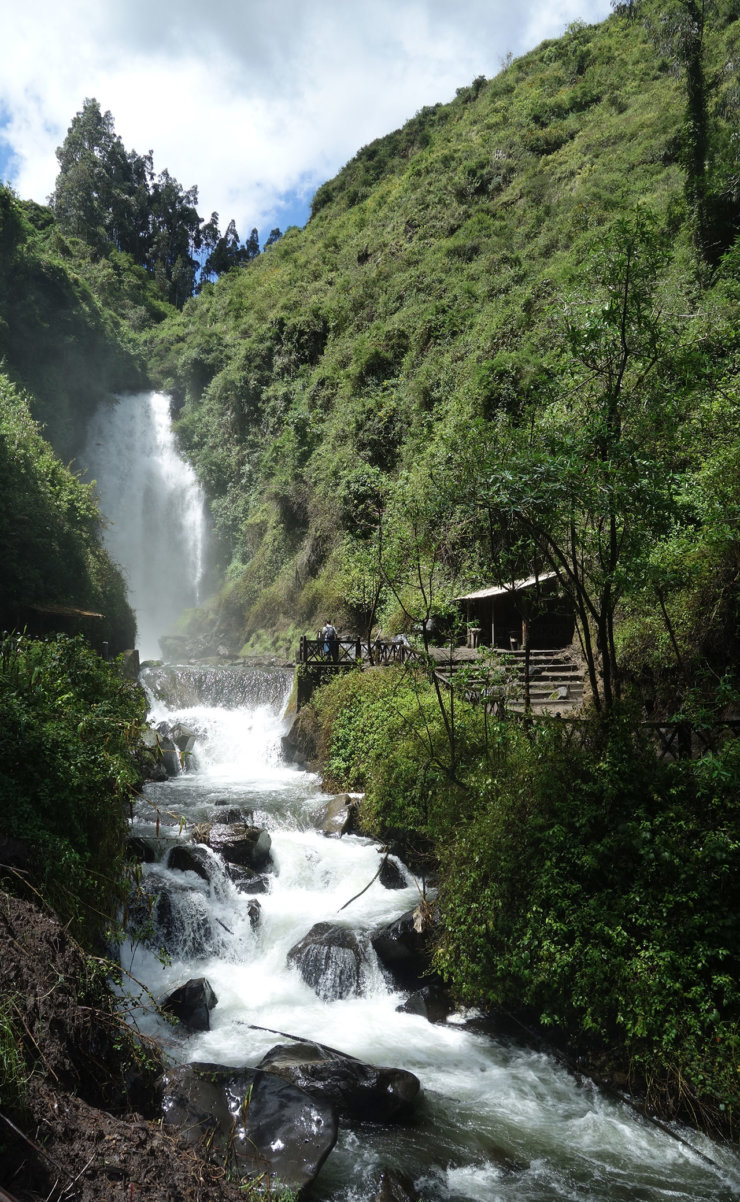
column 338, row 816
column 291, row 1131
column 248, row 846
column 189, row 857
column 433, row 1002
column 282, row 1131
column 330, row 959
column 192, row 1004
column 230, row 816
column 404, row 946
column 391, row 874
column 360, row 1092
column 183, row 738
column 162, row 914
column 195, row 1102
column 247, row 881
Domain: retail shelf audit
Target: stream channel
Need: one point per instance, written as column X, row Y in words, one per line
column 495, row 1120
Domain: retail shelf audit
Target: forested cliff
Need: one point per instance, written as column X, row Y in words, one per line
column 452, row 312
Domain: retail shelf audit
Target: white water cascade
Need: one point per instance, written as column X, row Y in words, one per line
column 154, row 510
column 497, row 1121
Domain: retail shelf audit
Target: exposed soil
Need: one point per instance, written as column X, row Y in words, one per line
column 84, row 1128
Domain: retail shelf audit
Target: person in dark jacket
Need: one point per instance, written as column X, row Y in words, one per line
column 329, row 635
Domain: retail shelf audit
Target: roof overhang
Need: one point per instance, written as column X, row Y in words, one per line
column 500, row 590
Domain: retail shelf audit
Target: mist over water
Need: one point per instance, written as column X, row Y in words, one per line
column 154, row 509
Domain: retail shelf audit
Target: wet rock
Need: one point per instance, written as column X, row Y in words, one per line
column 183, row 738
column 360, row 1092
column 169, row 755
column 300, row 745
column 254, row 909
column 148, row 757
column 139, row 851
column 330, row 959
column 338, row 816
column 257, row 1120
column 394, row 1187
column 187, row 857
column 404, row 946
column 291, row 1131
column 432, row 1002
column 130, row 664
column 165, row 915
column 192, row 1004
column 247, row 846
column 391, row 875
column 231, row 816
column 248, row 881
column 200, row 1101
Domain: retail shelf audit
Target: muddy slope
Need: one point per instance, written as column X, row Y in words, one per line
column 83, row 1127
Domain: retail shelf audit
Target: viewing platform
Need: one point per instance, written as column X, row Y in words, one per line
column 345, row 653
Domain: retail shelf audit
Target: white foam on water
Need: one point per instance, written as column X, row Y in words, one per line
column 495, row 1121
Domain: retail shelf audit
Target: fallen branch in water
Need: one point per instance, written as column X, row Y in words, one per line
column 377, row 874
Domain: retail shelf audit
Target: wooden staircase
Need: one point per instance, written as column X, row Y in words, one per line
column 497, row 678
column 555, row 680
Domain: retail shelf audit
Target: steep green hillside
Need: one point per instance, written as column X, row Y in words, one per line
column 53, row 561
column 428, row 310
column 69, row 330
column 68, row 320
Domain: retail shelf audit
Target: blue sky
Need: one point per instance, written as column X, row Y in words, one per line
column 257, row 102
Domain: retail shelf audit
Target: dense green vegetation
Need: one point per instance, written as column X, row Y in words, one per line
column 61, row 336
column 53, row 559
column 445, row 298
column 70, row 722
column 585, row 887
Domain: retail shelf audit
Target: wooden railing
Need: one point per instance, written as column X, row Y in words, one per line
column 352, row 652
column 688, row 740
column 679, row 740
column 500, row 689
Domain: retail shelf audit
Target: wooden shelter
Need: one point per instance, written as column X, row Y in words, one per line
column 38, row 620
column 501, row 615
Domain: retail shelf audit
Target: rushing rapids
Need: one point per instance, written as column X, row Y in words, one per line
column 495, row 1120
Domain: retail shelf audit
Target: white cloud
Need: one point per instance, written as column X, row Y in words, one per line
column 249, row 100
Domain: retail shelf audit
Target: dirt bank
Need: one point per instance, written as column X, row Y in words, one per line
column 78, row 1098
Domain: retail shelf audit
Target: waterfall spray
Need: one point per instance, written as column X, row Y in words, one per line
column 154, row 509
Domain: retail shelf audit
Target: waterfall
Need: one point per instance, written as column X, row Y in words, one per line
column 154, row 511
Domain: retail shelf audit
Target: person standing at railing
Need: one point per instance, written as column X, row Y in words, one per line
column 329, row 635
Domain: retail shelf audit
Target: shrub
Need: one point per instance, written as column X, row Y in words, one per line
column 69, row 725
column 596, row 887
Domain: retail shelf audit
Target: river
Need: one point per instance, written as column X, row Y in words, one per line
column 496, row 1121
